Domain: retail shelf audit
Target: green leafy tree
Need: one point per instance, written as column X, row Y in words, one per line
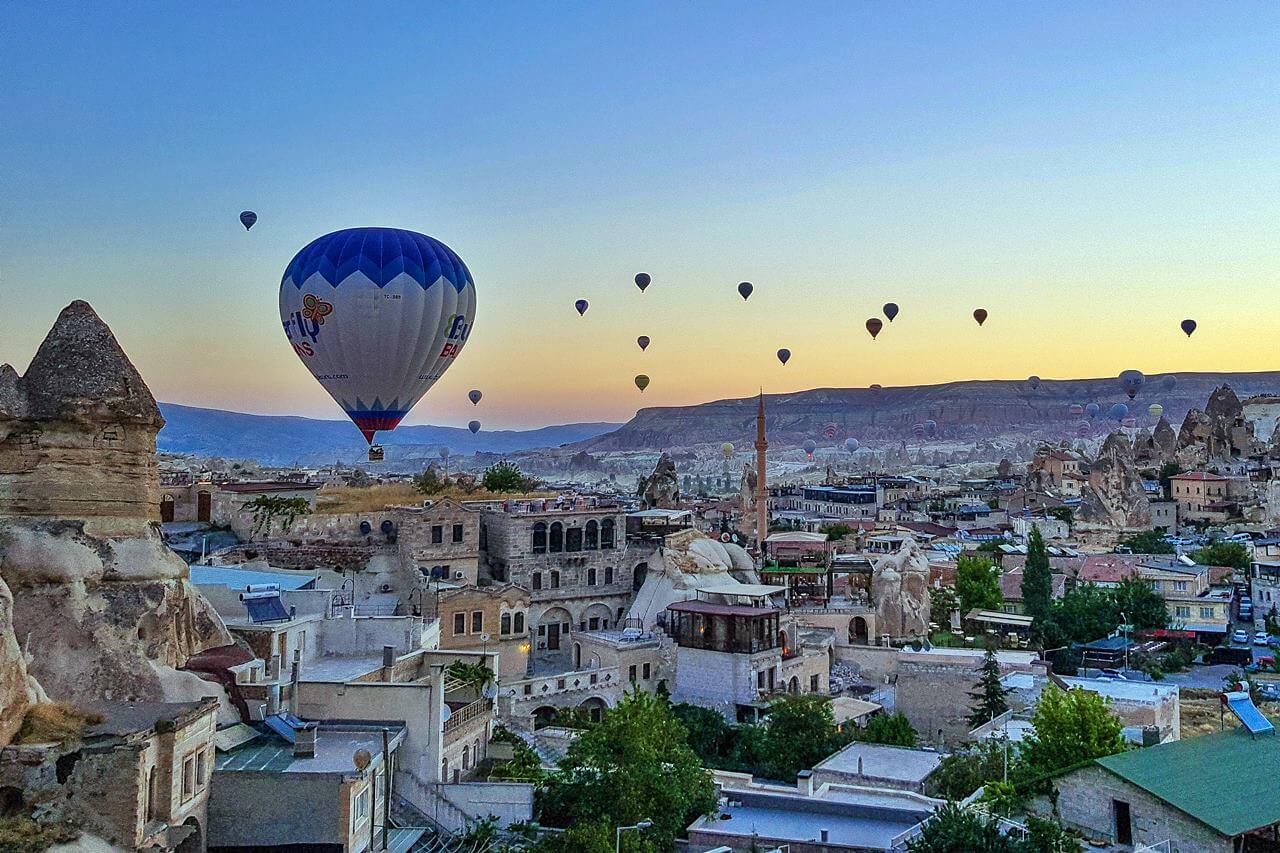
column 800, row 730
column 977, row 584
column 1167, row 472
column 1064, row 514
column 1037, row 579
column 836, row 532
column 890, row 729
column 1147, row 542
column 709, row 736
column 1086, row 613
column 1070, row 727
column 969, row 768
column 943, row 601
column 1232, row 554
column 504, row 476
column 634, row 765
column 989, row 694
column 1137, row 598
column 429, row 482
column 268, row 509
column 954, row 829
column 524, row 766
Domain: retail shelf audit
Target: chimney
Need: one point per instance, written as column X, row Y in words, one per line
column 273, row 668
column 304, row 742
column 859, row 765
column 804, row 782
column 824, row 835
column 1150, row 735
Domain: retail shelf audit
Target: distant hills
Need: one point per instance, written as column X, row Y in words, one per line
column 971, row 411
column 285, row 440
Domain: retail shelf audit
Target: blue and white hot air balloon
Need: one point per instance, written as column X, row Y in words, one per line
column 377, row 315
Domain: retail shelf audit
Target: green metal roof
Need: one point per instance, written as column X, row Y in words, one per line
column 1226, row 780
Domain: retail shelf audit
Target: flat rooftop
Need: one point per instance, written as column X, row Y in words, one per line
column 796, row 819
column 1130, row 691
column 339, row 668
column 882, row 762
column 335, row 747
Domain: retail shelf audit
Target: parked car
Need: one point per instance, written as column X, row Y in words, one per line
column 1240, row 635
column 1261, row 638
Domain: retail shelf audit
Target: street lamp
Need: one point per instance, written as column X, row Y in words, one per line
column 617, row 838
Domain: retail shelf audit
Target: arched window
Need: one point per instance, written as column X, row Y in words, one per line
column 557, row 537
column 444, row 770
column 466, row 757
column 555, row 579
column 506, row 623
column 591, row 577
column 593, row 536
column 606, row 533
column 573, row 539
column 520, row 622
column 540, row 538
column 537, row 580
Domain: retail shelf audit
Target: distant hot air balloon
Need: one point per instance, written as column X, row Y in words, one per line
column 784, row 355
column 1129, row 423
column 1132, row 381
column 643, row 341
column 829, row 431
column 809, row 447
column 474, row 396
column 874, row 325
column 917, row 430
column 1169, row 382
column 581, row 306
column 890, row 311
column 876, row 388
column 1083, row 429
column 1092, row 410
column 642, row 382
column 474, row 426
column 980, row 314
column 377, row 315
column 1188, row 326
column 1034, row 382
column 744, row 290
column 726, row 450
column 851, row 444
column 930, row 427
column 247, row 218
column 1118, row 412
column 1076, row 410
column 642, row 280
column 1155, row 410
column 444, row 453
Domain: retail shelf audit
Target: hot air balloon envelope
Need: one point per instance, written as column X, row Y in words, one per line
column 784, row 355
column 1169, row 382
column 377, row 315
column 474, row 396
column 810, row 446
column 1129, row 423
column 247, row 218
column 642, row 382
column 642, row 280
column 1155, row 410
column 931, row 426
column 1076, row 410
column 580, row 306
column 874, row 325
column 980, row 315
column 1188, row 326
column 643, row 342
column 1132, row 381
column 726, row 450
column 474, row 426
column 1118, row 412
column 1034, row 382
column 1092, row 410
column 851, row 444
column 744, row 289
column 890, row 310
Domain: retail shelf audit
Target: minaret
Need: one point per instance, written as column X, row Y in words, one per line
column 762, row 491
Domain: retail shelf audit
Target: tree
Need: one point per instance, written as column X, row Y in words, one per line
column 1064, row 514
column 989, row 694
column 429, row 482
column 1070, row 727
column 1232, row 554
column 1037, row 579
column 709, row 736
column 969, row 768
column 634, row 765
column 1137, row 598
column 955, row 829
column 890, row 729
column 977, row 584
column 800, row 729
column 1086, row 613
column 267, row 509
column 1147, row 542
column 504, row 476
column 1168, row 471
column 835, row 532
column 943, row 601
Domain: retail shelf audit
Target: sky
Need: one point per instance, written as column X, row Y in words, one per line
column 1090, row 173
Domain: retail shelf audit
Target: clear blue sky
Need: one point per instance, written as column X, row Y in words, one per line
column 1090, row 173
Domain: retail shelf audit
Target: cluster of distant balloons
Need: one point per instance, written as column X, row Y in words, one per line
column 377, row 358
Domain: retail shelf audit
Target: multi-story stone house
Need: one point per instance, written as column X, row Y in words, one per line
column 572, row 556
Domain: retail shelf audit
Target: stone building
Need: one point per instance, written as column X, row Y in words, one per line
column 487, row 617
column 222, row 503
column 572, row 556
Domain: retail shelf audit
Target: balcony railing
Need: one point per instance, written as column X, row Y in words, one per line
column 467, row 713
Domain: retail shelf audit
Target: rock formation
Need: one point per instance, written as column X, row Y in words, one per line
column 18, row 690
column 900, row 592
column 102, row 605
column 1114, row 496
column 689, row 561
column 661, row 489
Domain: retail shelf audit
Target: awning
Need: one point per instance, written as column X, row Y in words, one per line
column 748, row 590
column 992, row 617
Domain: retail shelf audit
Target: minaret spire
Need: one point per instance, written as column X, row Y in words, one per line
column 762, row 490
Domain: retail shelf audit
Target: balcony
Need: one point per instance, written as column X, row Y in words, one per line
column 460, row 720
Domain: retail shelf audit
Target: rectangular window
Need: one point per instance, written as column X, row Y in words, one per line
column 202, row 768
column 631, row 673
column 647, row 671
column 1206, row 612
column 477, row 621
column 1182, row 612
column 608, row 574
column 537, row 580
column 459, row 623
column 1180, row 586
column 594, row 621
column 437, row 534
column 457, row 533
column 188, row 777
column 813, row 683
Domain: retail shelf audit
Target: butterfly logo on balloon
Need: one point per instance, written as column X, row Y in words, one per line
column 315, row 309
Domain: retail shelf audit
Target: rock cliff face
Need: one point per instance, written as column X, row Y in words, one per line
column 1114, row 496
column 900, row 592
column 661, row 489
column 18, row 690
column 106, row 606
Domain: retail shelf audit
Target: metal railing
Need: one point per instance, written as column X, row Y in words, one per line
column 466, row 714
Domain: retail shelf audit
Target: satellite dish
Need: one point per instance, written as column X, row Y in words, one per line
column 445, row 713
column 484, row 638
column 361, row 759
